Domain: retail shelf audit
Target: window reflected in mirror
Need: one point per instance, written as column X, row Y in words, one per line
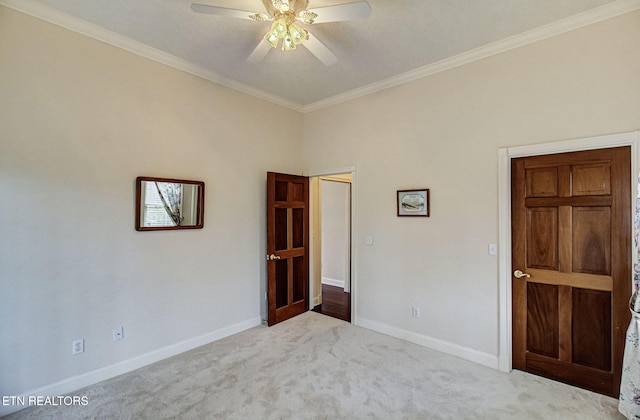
column 165, row 204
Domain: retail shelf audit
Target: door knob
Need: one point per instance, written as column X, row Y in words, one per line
column 273, row 257
column 519, row 274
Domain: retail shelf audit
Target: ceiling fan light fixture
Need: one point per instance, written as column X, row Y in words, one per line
column 287, row 43
column 298, row 35
column 272, row 38
column 281, row 5
column 284, row 14
column 279, row 28
column 308, row 17
column 284, row 29
column 259, row 17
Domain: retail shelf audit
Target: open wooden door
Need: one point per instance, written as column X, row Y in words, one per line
column 571, row 256
column 287, row 246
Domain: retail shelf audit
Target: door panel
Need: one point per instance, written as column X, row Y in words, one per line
column 542, row 238
column 287, row 246
column 591, row 179
column 282, row 283
column 542, row 319
column 592, row 320
column 571, row 235
column 591, row 240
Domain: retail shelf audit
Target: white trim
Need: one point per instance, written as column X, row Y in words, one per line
column 571, row 23
column 333, row 282
column 442, row 346
column 587, row 143
column 504, row 261
column 336, row 171
column 504, row 208
column 74, row 383
column 96, row 32
column 607, row 11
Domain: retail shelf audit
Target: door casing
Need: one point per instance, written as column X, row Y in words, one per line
column 314, row 260
column 504, row 218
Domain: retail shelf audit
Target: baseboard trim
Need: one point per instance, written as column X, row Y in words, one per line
column 442, row 346
column 74, row 383
column 333, row 282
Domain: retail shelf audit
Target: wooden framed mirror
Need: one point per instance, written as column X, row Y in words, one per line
column 169, row 204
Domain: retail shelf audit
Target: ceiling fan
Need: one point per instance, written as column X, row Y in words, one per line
column 285, row 15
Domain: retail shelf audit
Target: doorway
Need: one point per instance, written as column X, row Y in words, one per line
column 331, row 270
column 506, row 155
column 571, row 238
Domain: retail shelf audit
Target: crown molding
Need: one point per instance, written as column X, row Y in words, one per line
column 608, row 11
column 589, row 17
column 90, row 30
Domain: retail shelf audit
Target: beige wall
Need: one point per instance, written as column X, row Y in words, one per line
column 79, row 120
column 443, row 132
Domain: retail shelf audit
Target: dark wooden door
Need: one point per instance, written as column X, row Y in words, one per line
column 287, row 246
column 571, row 239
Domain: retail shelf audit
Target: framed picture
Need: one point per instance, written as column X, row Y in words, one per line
column 413, row 203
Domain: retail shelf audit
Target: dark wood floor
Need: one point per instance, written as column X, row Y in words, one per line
column 335, row 302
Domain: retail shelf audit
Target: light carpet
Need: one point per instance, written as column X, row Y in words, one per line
column 317, row 367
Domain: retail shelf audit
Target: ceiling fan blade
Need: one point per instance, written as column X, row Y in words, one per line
column 321, row 52
column 342, row 12
column 259, row 52
column 223, row 11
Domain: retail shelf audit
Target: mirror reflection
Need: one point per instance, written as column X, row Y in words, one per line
column 163, row 203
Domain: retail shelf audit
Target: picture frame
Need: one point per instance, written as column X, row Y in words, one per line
column 168, row 204
column 413, row 203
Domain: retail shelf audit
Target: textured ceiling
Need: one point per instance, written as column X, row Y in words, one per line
column 399, row 36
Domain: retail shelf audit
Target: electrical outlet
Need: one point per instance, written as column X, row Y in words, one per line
column 78, row 346
column 118, row 334
column 415, row 312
